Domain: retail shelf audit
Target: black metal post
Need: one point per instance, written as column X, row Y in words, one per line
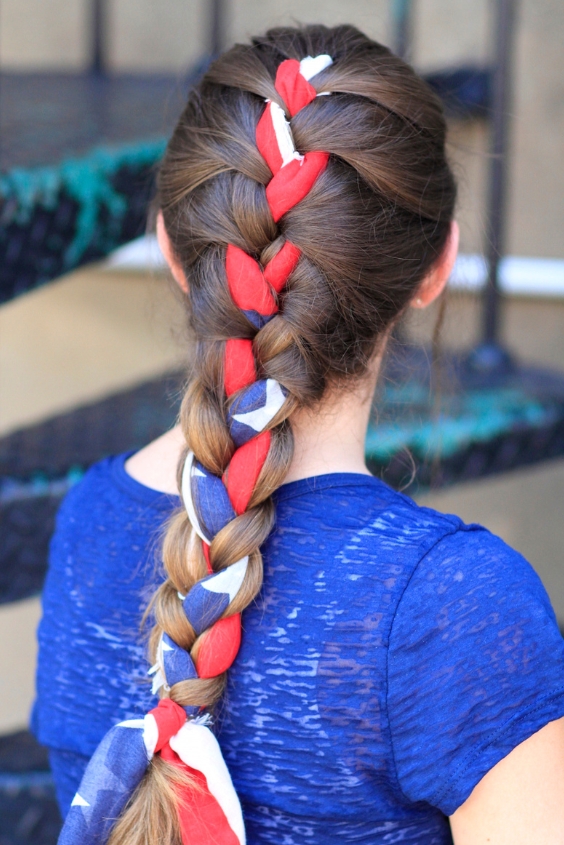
column 402, row 19
column 490, row 358
column 217, row 27
column 98, row 37
column 500, row 125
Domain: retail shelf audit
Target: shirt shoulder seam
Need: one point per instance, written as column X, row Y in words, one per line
column 475, row 753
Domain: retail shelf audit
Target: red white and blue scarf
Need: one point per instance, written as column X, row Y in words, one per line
column 210, row 813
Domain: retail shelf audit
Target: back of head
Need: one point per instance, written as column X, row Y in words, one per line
column 337, row 268
column 368, row 231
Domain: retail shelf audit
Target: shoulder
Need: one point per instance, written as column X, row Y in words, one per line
column 96, row 481
column 108, row 497
column 471, row 566
column 107, row 530
column 368, row 504
column 393, row 521
column 144, row 478
column 470, row 585
column 465, row 585
column 475, row 665
column 457, row 557
column 376, row 536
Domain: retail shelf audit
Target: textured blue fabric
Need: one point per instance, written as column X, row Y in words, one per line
column 177, row 663
column 204, row 607
column 67, row 768
column 211, row 501
column 393, row 656
column 110, row 779
column 253, row 408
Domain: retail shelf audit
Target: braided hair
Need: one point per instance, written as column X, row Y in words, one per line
column 306, row 194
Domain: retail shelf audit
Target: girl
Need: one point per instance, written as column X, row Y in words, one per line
column 397, row 675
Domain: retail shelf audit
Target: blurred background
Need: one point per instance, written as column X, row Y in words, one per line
column 92, row 336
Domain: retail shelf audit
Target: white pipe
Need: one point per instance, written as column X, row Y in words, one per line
column 519, row 276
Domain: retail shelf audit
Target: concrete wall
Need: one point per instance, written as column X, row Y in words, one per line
column 536, row 223
column 43, row 34
column 448, row 32
column 248, row 17
column 81, row 338
column 165, row 35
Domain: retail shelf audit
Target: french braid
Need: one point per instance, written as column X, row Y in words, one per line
column 297, row 263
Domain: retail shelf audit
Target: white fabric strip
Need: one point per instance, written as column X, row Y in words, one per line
column 309, row 67
column 284, row 137
column 159, row 679
column 157, row 669
column 186, row 490
column 228, row 580
column 131, row 723
column 198, row 748
column 312, row 65
column 150, row 734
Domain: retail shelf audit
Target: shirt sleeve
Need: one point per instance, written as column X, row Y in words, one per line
column 475, row 666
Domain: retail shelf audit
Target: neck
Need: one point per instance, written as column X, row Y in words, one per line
column 327, row 438
column 331, row 436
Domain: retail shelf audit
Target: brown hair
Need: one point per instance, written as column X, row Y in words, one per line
column 369, row 231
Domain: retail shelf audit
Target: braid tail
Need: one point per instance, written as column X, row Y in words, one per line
column 208, row 807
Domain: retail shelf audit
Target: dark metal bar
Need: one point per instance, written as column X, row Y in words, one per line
column 217, row 27
column 402, row 23
column 98, row 37
column 500, row 126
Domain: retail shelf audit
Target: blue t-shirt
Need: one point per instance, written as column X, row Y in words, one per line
column 392, row 658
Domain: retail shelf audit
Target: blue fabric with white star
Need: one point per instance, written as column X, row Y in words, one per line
column 204, row 607
column 250, row 410
column 177, row 663
column 112, row 775
column 211, row 501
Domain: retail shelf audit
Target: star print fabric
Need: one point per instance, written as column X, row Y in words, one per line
column 114, row 771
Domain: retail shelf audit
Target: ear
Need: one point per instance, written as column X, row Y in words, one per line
column 166, row 248
column 435, row 281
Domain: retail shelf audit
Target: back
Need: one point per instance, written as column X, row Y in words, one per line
column 392, row 658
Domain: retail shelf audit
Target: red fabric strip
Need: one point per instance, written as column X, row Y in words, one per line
column 294, row 88
column 294, row 182
column 239, row 365
column 206, row 550
column 169, row 717
column 202, row 820
column 244, row 470
column 219, row 647
column 282, row 265
column 246, row 282
column 267, row 142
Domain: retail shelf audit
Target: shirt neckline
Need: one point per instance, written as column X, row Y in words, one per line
column 314, row 483
column 155, row 498
column 291, row 490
